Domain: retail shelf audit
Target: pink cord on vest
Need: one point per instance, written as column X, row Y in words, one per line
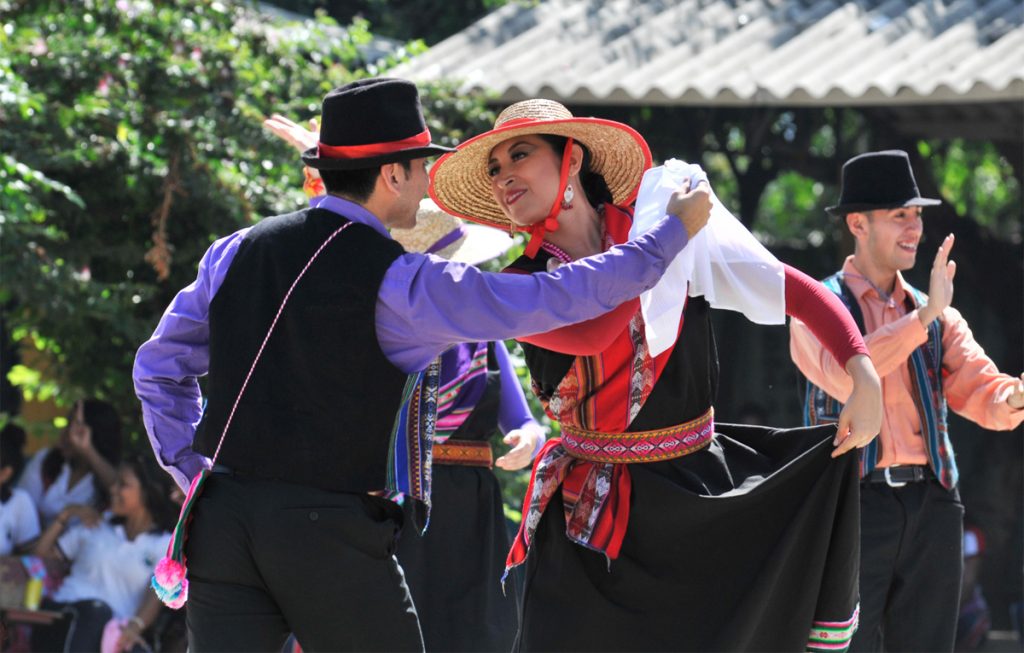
column 270, row 331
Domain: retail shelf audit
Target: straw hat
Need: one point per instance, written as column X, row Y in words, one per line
column 460, row 185
column 437, row 232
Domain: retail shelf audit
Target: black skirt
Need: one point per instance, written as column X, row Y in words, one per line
column 738, row 547
column 454, row 570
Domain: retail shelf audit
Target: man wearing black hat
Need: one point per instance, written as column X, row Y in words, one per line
column 317, row 332
column 911, row 528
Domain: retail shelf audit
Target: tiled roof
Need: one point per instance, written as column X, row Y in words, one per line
column 739, row 52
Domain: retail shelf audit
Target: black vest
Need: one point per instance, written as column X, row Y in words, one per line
column 321, row 403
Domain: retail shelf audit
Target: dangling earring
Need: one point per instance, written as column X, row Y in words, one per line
column 511, row 229
column 567, row 197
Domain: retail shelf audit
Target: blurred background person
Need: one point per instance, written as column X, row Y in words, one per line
column 975, row 619
column 19, row 521
column 81, row 467
column 112, row 558
column 457, row 588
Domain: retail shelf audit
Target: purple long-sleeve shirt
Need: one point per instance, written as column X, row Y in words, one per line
column 424, row 305
column 513, row 411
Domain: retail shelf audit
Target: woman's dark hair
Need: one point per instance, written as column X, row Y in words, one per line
column 156, row 486
column 106, row 438
column 357, row 184
column 12, row 454
column 594, row 185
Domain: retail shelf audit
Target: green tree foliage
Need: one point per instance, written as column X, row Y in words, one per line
column 131, row 138
column 777, row 168
column 978, row 182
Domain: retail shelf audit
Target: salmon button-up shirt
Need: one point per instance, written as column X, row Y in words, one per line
column 973, row 386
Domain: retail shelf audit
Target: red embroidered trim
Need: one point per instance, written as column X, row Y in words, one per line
column 640, row 446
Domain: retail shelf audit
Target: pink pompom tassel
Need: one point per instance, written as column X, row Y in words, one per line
column 178, row 602
column 169, row 573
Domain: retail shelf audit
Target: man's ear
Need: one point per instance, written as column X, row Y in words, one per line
column 857, row 223
column 391, row 177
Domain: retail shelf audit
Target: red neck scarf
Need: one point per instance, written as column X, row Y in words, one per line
column 550, row 223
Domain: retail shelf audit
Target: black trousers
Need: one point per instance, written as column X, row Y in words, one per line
column 267, row 558
column 911, row 567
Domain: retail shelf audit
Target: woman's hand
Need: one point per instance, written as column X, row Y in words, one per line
column 692, row 207
column 131, row 634
column 293, row 133
column 861, row 417
column 88, row 515
column 524, row 442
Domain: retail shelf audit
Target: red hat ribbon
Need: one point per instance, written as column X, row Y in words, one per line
column 550, row 222
column 421, row 139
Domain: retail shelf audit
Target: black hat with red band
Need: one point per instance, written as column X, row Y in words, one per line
column 371, row 122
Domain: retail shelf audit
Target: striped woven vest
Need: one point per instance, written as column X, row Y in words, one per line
column 926, row 375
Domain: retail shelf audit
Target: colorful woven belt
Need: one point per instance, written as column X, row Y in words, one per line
column 640, row 446
column 473, row 453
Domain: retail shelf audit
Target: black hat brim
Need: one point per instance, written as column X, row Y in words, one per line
column 312, row 159
column 843, row 209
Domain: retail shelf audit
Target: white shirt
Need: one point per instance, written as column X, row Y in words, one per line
column 106, row 565
column 51, row 501
column 19, row 521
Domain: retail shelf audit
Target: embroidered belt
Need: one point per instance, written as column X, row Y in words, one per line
column 640, row 446
column 589, row 468
column 473, row 453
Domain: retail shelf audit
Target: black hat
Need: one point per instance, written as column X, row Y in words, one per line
column 371, row 122
column 878, row 180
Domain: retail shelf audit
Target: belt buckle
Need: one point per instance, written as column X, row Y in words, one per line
column 889, row 481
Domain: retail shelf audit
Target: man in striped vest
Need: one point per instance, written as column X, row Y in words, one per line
column 911, row 515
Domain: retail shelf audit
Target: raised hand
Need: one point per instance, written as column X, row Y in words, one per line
column 940, row 283
column 293, row 133
column 79, row 432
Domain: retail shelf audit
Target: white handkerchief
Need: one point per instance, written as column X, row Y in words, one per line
column 724, row 263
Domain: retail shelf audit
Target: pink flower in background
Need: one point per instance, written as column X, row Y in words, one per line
column 39, row 48
column 127, row 7
column 103, row 88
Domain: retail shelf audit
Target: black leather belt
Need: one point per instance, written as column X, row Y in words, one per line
column 899, row 475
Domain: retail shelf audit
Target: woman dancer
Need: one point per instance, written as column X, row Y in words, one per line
column 648, row 526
